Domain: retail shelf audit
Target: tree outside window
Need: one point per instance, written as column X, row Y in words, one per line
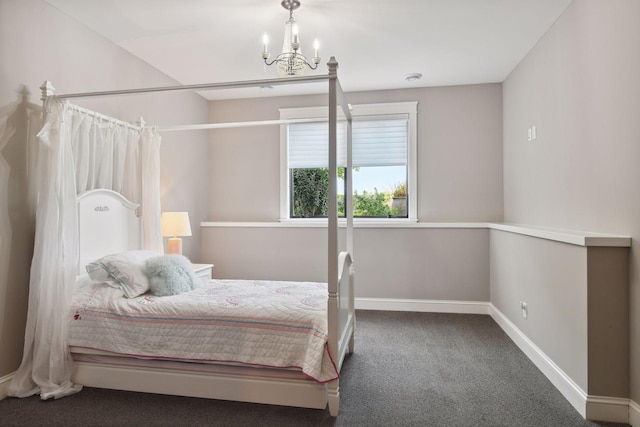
column 310, row 191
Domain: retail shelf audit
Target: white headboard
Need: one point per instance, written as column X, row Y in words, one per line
column 107, row 223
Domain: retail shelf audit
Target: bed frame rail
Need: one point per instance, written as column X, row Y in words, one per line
column 246, row 388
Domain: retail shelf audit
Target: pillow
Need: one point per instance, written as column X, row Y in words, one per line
column 82, row 280
column 170, row 275
column 124, row 270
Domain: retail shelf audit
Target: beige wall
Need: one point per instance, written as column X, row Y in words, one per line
column 551, row 277
column 608, row 321
column 459, row 179
column 421, row 263
column 38, row 43
column 459, row 153
column 580, row 86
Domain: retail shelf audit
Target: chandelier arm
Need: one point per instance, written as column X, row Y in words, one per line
column 287, row 58
column 270, row 63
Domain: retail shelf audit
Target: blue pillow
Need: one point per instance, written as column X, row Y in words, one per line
column 170, row 275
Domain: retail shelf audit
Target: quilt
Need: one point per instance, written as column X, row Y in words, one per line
column 249, row 322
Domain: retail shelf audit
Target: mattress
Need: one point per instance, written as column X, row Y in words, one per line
column 256, row 323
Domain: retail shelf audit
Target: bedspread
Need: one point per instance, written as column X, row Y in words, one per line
column 258, row 323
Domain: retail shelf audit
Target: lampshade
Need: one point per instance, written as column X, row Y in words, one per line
column 176, row 224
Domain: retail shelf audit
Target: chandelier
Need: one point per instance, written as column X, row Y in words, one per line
column 291, row 62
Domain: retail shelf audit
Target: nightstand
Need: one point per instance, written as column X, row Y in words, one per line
column 204, row 272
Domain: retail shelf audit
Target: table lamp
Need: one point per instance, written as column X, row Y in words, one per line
column 175, row 224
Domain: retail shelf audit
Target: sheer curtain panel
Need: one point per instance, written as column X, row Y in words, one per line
column 78, row 151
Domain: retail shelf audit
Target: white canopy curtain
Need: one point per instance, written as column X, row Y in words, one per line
column 78, row 151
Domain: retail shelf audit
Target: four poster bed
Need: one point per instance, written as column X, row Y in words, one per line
column 180, row 341
column 323, row 320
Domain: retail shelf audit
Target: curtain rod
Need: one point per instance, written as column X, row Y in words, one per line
column 239, row 124
column 49, row 90
column 107, row 118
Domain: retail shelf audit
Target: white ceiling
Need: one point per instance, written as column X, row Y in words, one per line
column 450, row 42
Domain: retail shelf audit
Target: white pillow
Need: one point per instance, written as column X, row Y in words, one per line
column 125, row 270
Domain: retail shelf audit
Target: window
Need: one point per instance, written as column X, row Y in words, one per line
column 383, row 174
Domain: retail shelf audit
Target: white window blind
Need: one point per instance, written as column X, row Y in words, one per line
column 379, row 142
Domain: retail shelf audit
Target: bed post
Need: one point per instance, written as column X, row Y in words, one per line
column 332, row 238
column 47, row 90
column 348, row 206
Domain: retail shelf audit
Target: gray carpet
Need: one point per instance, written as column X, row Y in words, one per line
column 409, row 369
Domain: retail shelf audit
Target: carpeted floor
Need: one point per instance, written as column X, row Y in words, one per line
column 409, row 369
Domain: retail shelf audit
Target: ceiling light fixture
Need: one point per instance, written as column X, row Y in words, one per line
column 413, row 77
column 291, row 62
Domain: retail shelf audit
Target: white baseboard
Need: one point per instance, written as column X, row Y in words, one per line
column 634, row 414
column 4, row 385
column 421, row 305
column 597, row 408
column 569, row 389
column 604, row 408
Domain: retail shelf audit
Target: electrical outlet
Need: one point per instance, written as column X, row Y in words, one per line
column 524, row 308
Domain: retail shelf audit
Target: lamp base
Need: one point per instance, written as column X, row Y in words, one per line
column 174, row 246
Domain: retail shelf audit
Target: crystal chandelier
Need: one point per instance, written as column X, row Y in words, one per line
column 291, row 62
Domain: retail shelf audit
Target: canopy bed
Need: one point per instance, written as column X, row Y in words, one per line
column 110, row 205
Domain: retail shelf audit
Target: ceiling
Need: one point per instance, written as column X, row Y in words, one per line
column 450, row 42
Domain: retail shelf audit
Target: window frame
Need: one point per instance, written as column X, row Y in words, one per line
column 357, row 110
